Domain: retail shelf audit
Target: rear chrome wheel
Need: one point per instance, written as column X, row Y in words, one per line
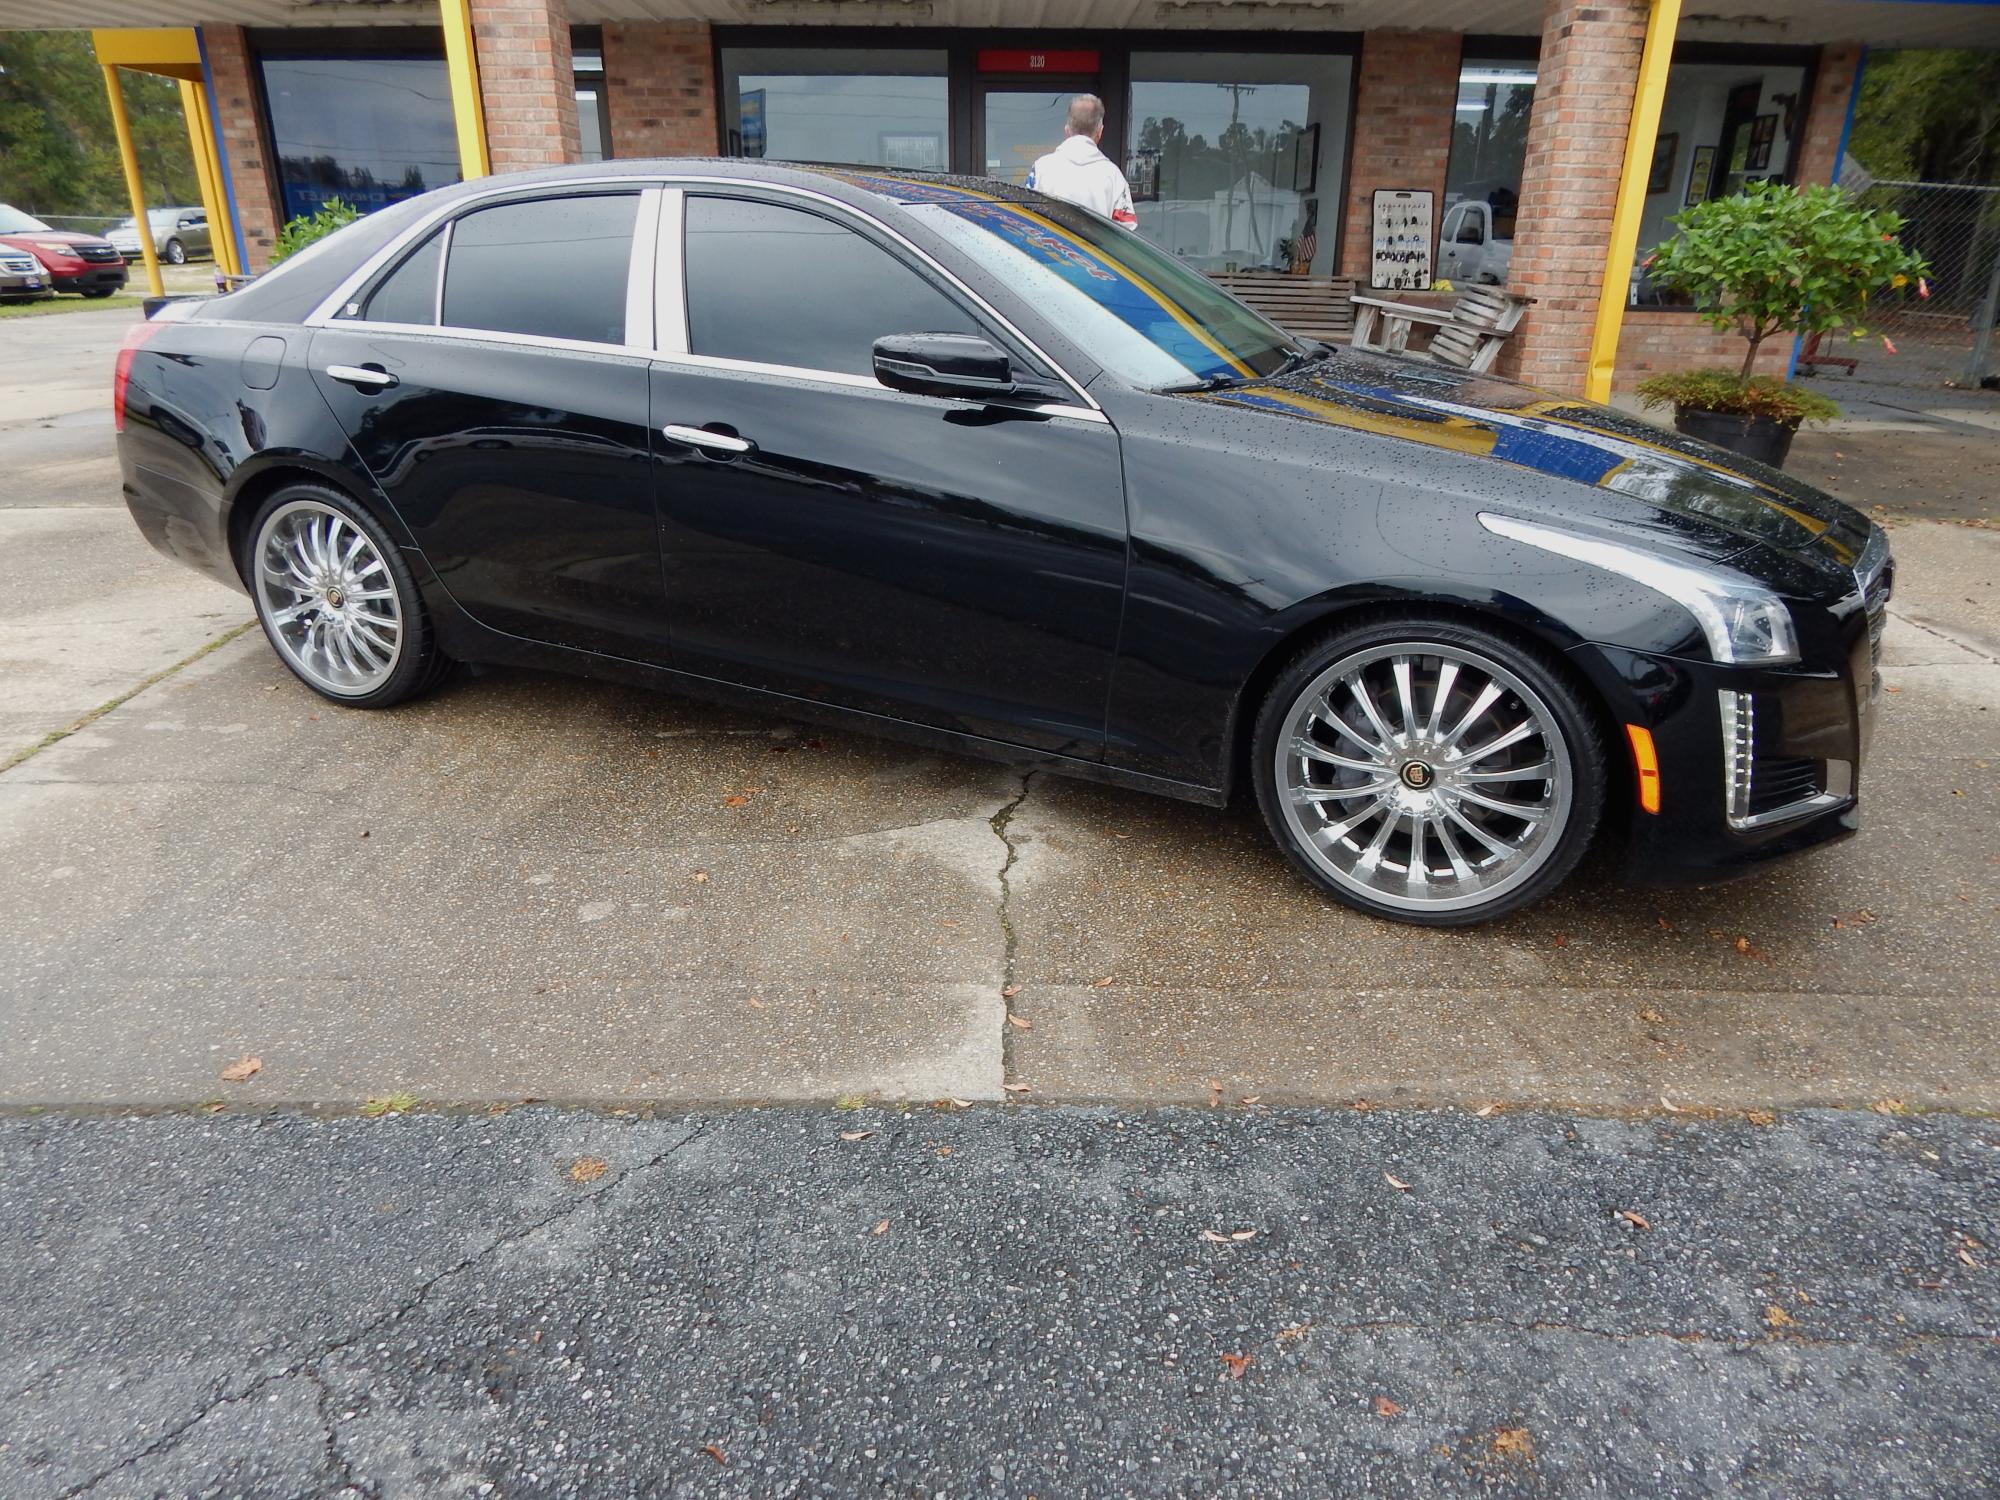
column 1439, row 776
column 337, row 601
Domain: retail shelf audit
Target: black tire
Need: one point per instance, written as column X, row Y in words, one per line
column 175, row 254
column 1420, row 779
column 418, row 665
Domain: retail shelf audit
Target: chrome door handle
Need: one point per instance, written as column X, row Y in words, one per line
column 714, row 442
column 356, row 375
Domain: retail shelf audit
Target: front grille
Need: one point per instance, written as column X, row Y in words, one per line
column 1777, row 781
column 19, row 265
column 100, row 255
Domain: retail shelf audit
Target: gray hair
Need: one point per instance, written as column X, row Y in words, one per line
column 1086, row 115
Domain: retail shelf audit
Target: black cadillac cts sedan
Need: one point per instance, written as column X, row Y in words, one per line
column 939, row 458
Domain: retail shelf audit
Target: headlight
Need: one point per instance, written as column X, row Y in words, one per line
column 1743, row 621
column 54, row 247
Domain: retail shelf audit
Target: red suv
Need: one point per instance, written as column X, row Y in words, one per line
column 84, row 263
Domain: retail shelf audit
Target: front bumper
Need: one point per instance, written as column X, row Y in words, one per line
column 89, row 279
column 1755, row 763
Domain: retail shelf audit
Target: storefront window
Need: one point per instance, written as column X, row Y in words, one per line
column 1482, row 190
column 369, row 130
column 1235, row 158
column 1722, row 126
column 875, row 107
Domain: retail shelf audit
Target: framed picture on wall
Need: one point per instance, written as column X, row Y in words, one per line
column 1665, row 149
column 1698, row 175
column 1763, row 131
column 1305, row 159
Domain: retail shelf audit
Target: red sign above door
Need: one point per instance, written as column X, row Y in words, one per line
column 1029, row 60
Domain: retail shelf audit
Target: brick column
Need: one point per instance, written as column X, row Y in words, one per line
column 239, row 128
column 527, row 83
column 660, row 83
column 1584, row 89
column 1826, row 117
column 1406, row 95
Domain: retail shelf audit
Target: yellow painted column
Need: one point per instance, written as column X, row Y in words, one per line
column 462, row 64
column 1661, row 24
column 128, row 156
column 208, row 172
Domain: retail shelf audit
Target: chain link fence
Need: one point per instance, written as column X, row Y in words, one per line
column 1945, row 339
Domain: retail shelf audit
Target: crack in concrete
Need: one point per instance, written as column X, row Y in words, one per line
column 1947, row 637
column 308, row 1367
column 1010, row 937
column 336, row 1457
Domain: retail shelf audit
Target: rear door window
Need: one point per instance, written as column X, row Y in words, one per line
column 407, row 294
column 782, row 286
column 549, row 267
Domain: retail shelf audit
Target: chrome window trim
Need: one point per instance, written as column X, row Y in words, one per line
column 670, row 334
column 494, row 336
column 847, row 378
column 669, row 297
column 639, row 272
column 444, row 259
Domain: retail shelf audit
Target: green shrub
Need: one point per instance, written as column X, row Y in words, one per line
column 1776, row 259
column 1718, row 390
column 306, row 228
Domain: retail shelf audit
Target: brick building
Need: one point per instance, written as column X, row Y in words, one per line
column 1393, row 141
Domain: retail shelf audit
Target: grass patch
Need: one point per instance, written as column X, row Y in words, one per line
column 46, row 306
column 388, row 1104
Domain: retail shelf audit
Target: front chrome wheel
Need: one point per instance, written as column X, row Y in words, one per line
column 1423, row 777
column 327, row 599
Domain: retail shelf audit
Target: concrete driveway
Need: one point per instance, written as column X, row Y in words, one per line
column 536, row 887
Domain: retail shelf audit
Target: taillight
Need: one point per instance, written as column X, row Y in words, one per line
column 135, row 340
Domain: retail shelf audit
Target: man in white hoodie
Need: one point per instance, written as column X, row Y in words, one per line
column 1079, row 173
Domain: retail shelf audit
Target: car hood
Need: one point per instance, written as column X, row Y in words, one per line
column 27, row 238
column 1685, row 493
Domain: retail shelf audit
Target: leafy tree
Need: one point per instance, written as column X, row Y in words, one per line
column 58, row 152
column 1775, row 259
column 1929, row 116
column 302, row 230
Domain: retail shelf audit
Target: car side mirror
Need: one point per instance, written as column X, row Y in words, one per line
column 944, row 364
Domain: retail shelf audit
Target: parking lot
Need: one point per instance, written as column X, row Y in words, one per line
column 532, row 887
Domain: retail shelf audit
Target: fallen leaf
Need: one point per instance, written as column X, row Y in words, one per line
column 700, row 877
column 388, row 1104
column 1363, row 1105
column 1384, row 1407
column 1889, row 1107
column 1015, row 1088
column 1485, row 1109
column 1562, row 940
column 1652, row 1017
column 1760, row 1117
column 1251, row 1234
column 1294, row 1331
column 1514, row 1442
column 1670, row 1107
column 241, row 1069
column 737, row 800
column 881, row 1227
column 1396, row 1182
column 1021, row 1022
column 1777, row 1317
column 1098, row 984
column 364, row 833
column 1968, row 1257
column 1634, row 1218
column 1010, row 992
column 855, row 1135
column 588, row 1168
column 1236, row 1364
column 958, row 1103
column 754, row 1003
column 944, row 1151
column 1249, row 1099
column 715, row 1453
column 1665, row 925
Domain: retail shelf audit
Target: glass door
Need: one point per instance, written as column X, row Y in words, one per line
column 1015, row 123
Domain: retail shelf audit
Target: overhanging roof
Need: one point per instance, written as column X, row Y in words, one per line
column 1880, row 23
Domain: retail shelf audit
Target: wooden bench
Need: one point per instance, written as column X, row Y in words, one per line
column 1317, row 307
column 1467, row 335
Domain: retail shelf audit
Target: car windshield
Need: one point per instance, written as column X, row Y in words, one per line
column 1140, row 312
column 13, row 221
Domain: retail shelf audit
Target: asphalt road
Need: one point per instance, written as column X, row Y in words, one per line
column 999, row 1303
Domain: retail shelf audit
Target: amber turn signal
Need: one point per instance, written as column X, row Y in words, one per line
column 1647, row 761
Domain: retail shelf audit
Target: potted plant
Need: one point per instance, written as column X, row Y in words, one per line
column 1772, row 260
